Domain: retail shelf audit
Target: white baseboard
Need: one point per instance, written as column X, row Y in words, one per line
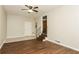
column 15, row 39
column 14, row 36
column 19, row 36
column 64, row 45
column 2, row 44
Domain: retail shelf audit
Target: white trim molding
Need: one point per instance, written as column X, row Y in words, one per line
column 16, row 39
column 64, row 45
column 2, row 44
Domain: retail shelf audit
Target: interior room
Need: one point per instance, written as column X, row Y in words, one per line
column 39, row 29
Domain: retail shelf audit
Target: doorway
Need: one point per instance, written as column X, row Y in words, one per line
column 43, row 34
column 44, row 26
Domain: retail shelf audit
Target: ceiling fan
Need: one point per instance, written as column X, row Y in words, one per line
column 31, row 8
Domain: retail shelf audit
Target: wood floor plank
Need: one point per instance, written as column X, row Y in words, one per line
column 35, row 47
column 0, row 51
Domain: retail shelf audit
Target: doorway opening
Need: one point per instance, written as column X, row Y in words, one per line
column 44, row 29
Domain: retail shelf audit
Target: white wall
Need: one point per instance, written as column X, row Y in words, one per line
column 18, row 26
column 29, row 27
column 3, row 26
column 63, row 25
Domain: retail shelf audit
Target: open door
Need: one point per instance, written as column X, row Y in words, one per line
column 45, row 27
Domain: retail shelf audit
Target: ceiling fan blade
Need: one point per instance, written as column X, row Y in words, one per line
column 35, row 7
column 24, row 9
column 26, row 5
column 35, row 10
column 30, row 7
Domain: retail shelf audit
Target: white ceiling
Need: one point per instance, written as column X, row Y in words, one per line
column 16, row 9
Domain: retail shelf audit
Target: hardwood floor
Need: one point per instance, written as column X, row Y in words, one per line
column 0, row 51
column 35, row 47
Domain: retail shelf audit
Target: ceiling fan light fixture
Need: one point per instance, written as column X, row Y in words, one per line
column 30, row 10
